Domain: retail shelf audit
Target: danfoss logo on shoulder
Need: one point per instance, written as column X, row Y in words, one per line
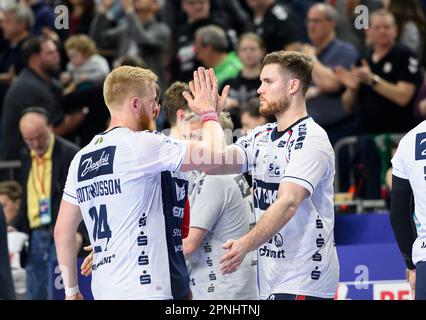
column 94, row 166
column 96, row 163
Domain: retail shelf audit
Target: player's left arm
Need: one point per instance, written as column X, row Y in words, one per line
column 401, row 218
column 69, row 218
column 290, row 196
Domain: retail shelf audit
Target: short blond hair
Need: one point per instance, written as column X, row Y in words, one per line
column 82, row 44
column 125, row 81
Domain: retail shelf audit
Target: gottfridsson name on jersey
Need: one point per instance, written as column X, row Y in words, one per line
column 301, row 258
column 116, row 182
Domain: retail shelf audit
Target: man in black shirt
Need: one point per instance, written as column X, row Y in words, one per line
column 385, row 82
column 17, row 21
column 198, row 12
column 275, row 24
column 35, row 86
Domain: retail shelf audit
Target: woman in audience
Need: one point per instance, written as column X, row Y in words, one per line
column 250, row 50
column 85, row 67
column 411, row 24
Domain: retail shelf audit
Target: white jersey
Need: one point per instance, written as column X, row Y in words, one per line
column 301, row 258
column 409, row 163
column 116, row 182
column 221, row 205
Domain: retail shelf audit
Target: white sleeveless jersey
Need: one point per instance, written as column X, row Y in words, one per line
column 301, row 259
column 409, row 163
column 116, row 182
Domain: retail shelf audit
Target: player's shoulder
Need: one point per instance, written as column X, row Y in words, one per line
column 266, row 128
column 255, row 134
column 311, row 130
column 416, row 136
column 309, row 135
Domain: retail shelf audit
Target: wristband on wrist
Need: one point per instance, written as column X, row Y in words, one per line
column 209, row 115
column 71, row 291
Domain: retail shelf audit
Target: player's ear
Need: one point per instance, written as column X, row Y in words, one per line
column 180, row 114
column 294, row 86
column 134, row 102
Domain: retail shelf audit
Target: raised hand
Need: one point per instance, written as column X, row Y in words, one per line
column 222, row 99
column 204, row 91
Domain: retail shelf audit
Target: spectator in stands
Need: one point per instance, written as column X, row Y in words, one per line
column 420, row 106
column 7, row 291
column 140, row 34
column 198, row 16
column 384, row 83
column 411, row 25
column 86, row 68
column 251, row 51
column 127, row 60
column 212, row 49
column 275, row 24
column 346, row 27
column 44, row 17
column 10, row 200
column 44, row 170
column 35, row 85
column 17, row 20
column 251, row 117
column 324, row 95
column 81, row 15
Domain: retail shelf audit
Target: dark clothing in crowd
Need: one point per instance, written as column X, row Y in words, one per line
column 378, row 114
column 242, row 90
column 278, row 28
column 28, row 90
column 7, row 291
column 186, row 61
column 44, row 17
column 11, row 56
column 63, row 153
column 327, row 109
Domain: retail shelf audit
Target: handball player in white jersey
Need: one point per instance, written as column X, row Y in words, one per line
column 408, row 181
column 292, row 163
column 114, row 184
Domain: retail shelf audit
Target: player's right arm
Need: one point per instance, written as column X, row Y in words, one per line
column 212, row 152
column 69, row 218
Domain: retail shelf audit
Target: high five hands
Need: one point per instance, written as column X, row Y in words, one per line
column 204, row 94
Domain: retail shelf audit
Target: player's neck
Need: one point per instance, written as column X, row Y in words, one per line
column 175, row 133
column 289, row 116
column 117, row 120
